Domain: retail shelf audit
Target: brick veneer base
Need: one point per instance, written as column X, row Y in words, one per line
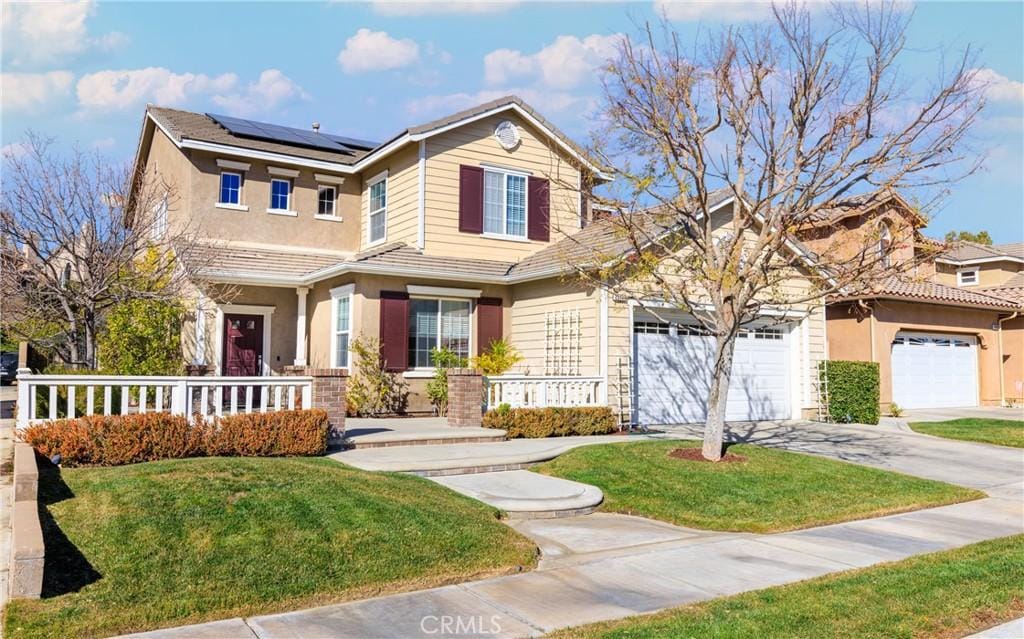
column 465, row 397
column 328, row 395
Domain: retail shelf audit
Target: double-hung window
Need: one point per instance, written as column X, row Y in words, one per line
column 280, row 194
column 967, row 277
column 378, row 211
column 341, row 325
column 504, row 203
column 437, row 323
column 230, row 188
column 326, row 198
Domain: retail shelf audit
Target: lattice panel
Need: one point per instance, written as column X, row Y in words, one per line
column 562, row 336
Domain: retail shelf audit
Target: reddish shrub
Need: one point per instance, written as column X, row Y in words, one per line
column 127, row 439
column 552, row 422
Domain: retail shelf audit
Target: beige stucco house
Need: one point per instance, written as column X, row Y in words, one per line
column 452, row 233
column 947, row 333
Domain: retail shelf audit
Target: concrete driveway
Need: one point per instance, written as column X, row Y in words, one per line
column 977, row 412
column 995, row 469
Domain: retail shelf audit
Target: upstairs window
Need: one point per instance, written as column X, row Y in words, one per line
column 230, row 188
column 280, row 193
column 326, row 198
column 884, row 244
column 967, row 277
column 504, row 203
column 378, row 209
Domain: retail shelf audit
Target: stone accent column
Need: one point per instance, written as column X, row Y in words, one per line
column 465, row 397
column 328, row 395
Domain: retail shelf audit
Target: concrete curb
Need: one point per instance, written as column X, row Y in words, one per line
column 28, row 552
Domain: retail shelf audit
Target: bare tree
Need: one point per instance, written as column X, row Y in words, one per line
column 795, row 121
column 78, row 236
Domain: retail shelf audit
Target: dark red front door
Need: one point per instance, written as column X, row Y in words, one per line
column 243, row 345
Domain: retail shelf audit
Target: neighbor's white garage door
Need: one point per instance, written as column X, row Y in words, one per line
column 934, row 371
column 673, row 372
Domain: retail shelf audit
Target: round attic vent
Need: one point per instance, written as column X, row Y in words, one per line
column 507, row 135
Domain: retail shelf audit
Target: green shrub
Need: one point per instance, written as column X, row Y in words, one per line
column 852, row 390
column 437, row 387
column 142, row 337
column 498, row 359
column 114, row 440
column 372, row 391
column 42, row 394
column 552, row 422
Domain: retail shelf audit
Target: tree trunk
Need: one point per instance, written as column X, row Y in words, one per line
column 90, row 340
column 718, row 396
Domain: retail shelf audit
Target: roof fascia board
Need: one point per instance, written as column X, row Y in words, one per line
column 979, row 260
column 917, row 300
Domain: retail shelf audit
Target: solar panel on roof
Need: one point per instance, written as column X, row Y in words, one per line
column 289, row 135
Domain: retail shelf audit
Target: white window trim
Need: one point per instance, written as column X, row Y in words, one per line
column 377, row 179
column 960, row 277
column 334, row 188
column 285, row 211
column 327, row 218
column 338, row 293
column 428, row 371
column 232, row 164
column 525, row 237
column 243, row 309
column 220, row 189
column 231, row 207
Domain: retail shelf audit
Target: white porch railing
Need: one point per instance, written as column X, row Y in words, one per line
column 529, row 391
column 48, row 397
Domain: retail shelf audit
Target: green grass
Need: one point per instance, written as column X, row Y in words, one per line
column 945, row 594
column 773, row 490
column 175, row 542
column 1003, row 432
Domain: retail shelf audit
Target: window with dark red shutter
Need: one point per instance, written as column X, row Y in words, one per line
column 538, row 222
column 394, row 330
column 471, row 199
column 488, row 322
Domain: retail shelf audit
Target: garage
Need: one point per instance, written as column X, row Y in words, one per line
column 934, row 370
column 673, row 373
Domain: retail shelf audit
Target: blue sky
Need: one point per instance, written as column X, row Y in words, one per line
column 84, row 71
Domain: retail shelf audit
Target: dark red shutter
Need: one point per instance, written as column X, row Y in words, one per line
column 538, row 225
column 488, row 322
column 471, row 199
column 394, row 329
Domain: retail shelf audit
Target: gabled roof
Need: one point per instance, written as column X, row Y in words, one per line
column 860, row 204
column 974, row 253
column 198, row 130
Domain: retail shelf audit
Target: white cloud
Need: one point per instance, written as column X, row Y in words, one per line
column 271, row 90
column 723, row 10
column 998, row 87
column 128, row 88
column 14, row 150
column 33, row 91
column 425, row 7
column 376, row 51
column 49, row 32
column 566, row 63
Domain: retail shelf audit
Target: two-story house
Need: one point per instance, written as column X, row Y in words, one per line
column 947, row 333
column 452, row 233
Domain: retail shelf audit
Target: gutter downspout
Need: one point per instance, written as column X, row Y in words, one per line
column 1002, row 373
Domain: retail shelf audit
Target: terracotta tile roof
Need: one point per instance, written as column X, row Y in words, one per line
column 199, row 126
column 938, row 293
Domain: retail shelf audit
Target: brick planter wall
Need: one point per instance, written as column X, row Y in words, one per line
column 328, row 395
column 465, row 397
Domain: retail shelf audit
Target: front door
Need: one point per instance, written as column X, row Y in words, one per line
column 243, row 345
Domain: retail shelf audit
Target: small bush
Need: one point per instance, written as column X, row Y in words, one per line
column 372, row 391
column 115, row 440
column 852, row 390
column 552, row 422
column 895, row 410
column 437, row 387
column 498, row 359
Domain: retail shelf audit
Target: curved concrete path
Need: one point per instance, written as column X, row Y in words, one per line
column 526, row 495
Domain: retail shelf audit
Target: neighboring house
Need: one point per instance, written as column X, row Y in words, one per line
column 946, row 334
column 453, row 233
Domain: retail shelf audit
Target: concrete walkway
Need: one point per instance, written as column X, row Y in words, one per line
column 7, row 396
column 976, row 412
column 1011, row 630
column 526, row 495
column 606, row 567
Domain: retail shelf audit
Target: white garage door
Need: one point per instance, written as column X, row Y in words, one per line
column 934, row 371
column 673, row 373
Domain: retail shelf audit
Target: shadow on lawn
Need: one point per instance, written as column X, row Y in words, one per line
column 66, row 569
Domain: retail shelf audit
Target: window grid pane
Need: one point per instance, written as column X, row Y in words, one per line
column 378, row 195
column 515, row 223
column 455, row 326
column 279, row 191
column 494, row 202
column 230, row 188
column 423, row 316
column 326, row 201
column 377, row 225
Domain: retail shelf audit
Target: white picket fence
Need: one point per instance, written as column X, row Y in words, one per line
column 529, row 391
column 61, row 396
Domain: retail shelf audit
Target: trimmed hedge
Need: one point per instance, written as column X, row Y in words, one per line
column 552, row 422
column 115, row 440
column 852, row 390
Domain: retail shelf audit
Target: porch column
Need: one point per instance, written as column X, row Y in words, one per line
column 300, row 326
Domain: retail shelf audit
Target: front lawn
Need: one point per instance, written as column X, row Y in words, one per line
column 1003, row 432
column 945, row 594
column 772, row 490
column 175, row 542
